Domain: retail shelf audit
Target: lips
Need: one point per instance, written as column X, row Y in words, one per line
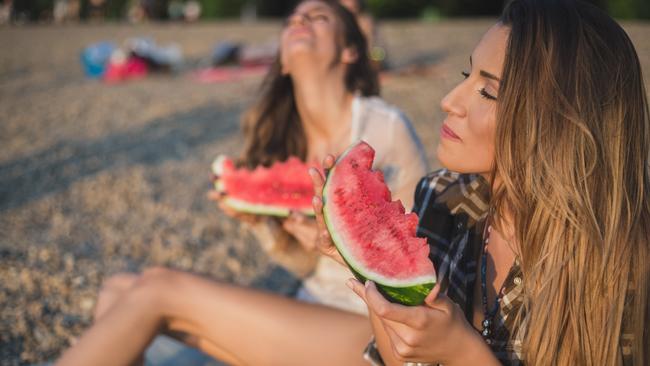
column 447, row 132
column 298, row 31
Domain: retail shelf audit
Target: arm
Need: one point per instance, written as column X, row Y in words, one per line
column 295, row 252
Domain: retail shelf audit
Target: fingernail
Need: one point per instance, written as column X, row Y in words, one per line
column 349, row 283
column 367, row 284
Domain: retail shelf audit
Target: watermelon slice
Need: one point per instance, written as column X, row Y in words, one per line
column 275, row 191
column 374, row 235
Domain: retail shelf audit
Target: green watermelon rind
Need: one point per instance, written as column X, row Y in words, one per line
column 248, row 207
column 257, row 209
column 409, row 293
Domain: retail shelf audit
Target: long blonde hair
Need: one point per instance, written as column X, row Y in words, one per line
column 572, row 146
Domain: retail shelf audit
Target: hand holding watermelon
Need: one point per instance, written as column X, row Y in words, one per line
column 436, row 332
column 276, row 190
column 217, row 197
column 303, row 228
column 374, row 235
column 324, row 242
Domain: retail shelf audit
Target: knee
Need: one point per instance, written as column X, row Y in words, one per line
column 112, row 290
column 158, row 275
column 120, row 281
column 157, row 280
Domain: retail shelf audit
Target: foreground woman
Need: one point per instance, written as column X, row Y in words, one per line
column 542, row 242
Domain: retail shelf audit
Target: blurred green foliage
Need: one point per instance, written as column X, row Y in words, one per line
column 398, row 8
column 221, row 8
column 629, row 9
column 426, row 9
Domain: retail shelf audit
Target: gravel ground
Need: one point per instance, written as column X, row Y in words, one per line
column 97, row 179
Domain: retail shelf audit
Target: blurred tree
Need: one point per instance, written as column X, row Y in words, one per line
column 465, row 8
column 399, row 8
column 221, row 8
column 33, row 10
column 274, row 8
column 628, row 9
column 116, row 9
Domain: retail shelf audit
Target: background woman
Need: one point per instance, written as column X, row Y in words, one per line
column 318, row 98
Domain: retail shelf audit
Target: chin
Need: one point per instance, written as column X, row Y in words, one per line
column 445, row 158
column 459, row 162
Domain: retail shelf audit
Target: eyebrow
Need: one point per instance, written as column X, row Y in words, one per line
column 315, row 8
column 484, row 73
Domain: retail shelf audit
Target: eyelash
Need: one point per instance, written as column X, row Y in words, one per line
column 319, row 17
column 310, row 18
column 484, row 94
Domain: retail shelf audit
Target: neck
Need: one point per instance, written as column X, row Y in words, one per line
column 323, row 103
column 505, row 221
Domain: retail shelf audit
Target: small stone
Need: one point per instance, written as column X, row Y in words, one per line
column 68, row 262
column 86, row 304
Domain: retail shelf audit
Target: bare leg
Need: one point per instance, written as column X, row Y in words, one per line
column 234, row 324
column 115, row 287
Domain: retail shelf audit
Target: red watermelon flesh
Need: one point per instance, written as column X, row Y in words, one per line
column 275, row 190
column 374, row 234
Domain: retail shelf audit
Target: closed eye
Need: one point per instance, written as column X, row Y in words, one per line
column 486, row 95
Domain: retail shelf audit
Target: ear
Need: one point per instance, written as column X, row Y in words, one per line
column 349, row 55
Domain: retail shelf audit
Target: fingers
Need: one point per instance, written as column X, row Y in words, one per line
column 214, row 195
column 404, row 349
column 316, row 176
column 357, row 287
column 302, row 228
column 317, row 204
column 318, row 179
column 437, row 300
column 328, row 163
column 297, row 217
column 433, row 295
column 412, row 316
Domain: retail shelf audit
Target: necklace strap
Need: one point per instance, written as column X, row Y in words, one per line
column 488, row 313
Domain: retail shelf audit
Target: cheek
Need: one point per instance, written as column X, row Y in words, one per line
column 475, row 154
column 481, row 126
column 326, row 35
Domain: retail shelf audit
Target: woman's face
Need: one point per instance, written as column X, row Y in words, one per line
column 468, row 133
column 310, row 37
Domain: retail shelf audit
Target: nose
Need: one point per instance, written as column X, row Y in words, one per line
column 452, row 103
column 297, row 19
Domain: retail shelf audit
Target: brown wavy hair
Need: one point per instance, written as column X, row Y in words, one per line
column 272, row 128
column 572, row 146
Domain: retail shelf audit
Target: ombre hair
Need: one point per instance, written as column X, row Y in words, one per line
column 571, row 152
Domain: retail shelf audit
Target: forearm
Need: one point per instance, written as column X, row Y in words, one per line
column 383, row 342
column 476, row 352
